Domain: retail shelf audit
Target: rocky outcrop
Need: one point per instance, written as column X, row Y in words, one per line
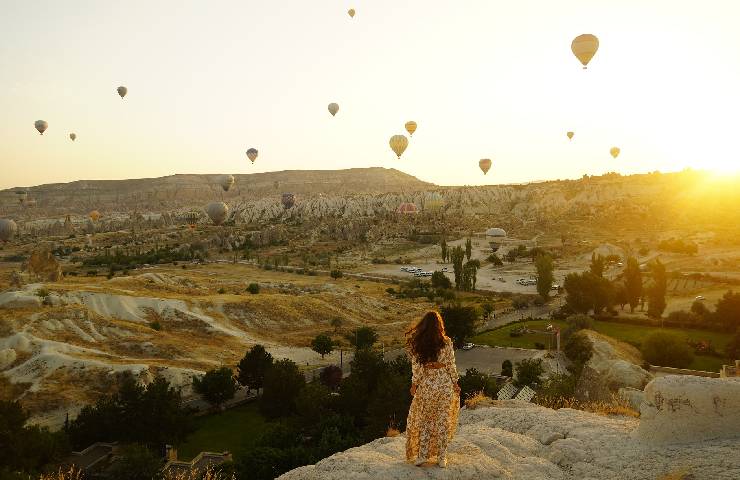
column 684, row 408
column 44, row 266
column 517, row 440
column 616, row 363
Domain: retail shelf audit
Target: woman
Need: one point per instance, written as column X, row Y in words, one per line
column 432, row 417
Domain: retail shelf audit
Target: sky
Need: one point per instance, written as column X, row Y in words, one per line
column 482, row 78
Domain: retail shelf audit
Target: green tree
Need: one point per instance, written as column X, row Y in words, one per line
column 667, row 349
column 443, row 245
column 495, row 260
column 656, row 295
column 597, row 265
column 217, row 386
column 322, row 344
column 487, row 309
column 468, row 248
column 336, row 322
column 460, row 323
column 545, row 277
column 473, row 382
column 457, row 256
column 331, row 377
column 732, row 349
column 727, row 311
column 633, row 282
column 511, row 256
column 576, row 323
column 136, row 462
column 579, row 350
column 440, row 280
column 507, row 368
column 529, row 372
column 389, row 404
column 620, row 295
column 699, row 309
column 253, row 288
column 470, row 275
column 252, row 368
column 363, row 338
column 577, row 289
column 283, row 383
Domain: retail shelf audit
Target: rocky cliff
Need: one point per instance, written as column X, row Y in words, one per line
column 522, row 441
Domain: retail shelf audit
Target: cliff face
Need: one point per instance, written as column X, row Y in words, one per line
column 522, row 441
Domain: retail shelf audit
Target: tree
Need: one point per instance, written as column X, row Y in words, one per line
column 331, row 377
column 443, row 245
column 507, row 368
column 253, row 288
column 363, row 338
column 487, row 309
column 389, row 404
column 529, row 372
column 577, row 289
column 283, row 383
column 460, row 323
column 322, row 345
column 699, row 309
column 495, row 260
column 136, row 462
column 545, row 278
column 579, row 350
column 470, row 275
column 667, row 349
column 336, row 273
column 732, row 349
column 336, row 322
column 576, row 323
column 440, row 280
column 217, row 386
column 597, row 265
column 457, row 257
column 633, row 282
column 511, row 256
column 474, row 382
column 468, row 248
column 620, row 295
column 727, row 310
column 656, row 296
column 252, row 368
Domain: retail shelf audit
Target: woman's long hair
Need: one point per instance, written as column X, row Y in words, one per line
column 426, row 338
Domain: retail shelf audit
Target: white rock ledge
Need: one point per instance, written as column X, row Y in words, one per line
column 528, row 442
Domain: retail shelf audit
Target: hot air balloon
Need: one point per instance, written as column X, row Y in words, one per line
column 584, row 47
column 398, row 144
column 252, row 154
column 122, row 91
column 411, row 127
column 570, row 135
column 217, row 212
column 94, row 215
column 615, row 151
column 407, row 209
column 73, row 136
column 288, row 200
column 8, row 229
column 351, row 12
column 485, row 165
column 333, row 109
column 433, row 202
column 41, row 126
column 226, row 181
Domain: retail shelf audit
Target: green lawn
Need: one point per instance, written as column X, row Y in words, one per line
column 633, row 334
column 234, row 430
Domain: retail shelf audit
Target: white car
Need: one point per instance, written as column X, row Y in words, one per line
column 700, row 298
column 444, row 269
column 468, row 346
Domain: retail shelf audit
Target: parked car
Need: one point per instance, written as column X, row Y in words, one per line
column 700, row 298
column 468, row 346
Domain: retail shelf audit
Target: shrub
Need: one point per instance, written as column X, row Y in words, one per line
column 539, row 346
column 577, row 323
column 42, row 293
column 474, row 382
column 253, row 288
column 221, row 291
column 155, row 325
column 440, row 280
column 667, row 349
column 520, row 302
column 335, row 273
column 217, row 385
column 507, row 368
column 529, row 372
column 390, row 291
column 322, row 344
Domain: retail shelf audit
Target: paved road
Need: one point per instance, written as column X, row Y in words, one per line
column 502, row 318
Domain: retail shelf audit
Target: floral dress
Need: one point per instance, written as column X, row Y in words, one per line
column 432, row 419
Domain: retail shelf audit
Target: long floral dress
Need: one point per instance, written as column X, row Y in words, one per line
column 432, row 419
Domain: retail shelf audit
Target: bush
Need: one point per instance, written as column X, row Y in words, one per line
column 155, row 325
column 474, row 382
column 667, row 349
column 217, row 385
column 221, row 291
column 529, row 372
column 539, row 346
column 440, row 280
column 42, row 293
column 336, row 273
column 519, row 302
column 253, row 288
column 507, row 368
column 577, row 323
column 390, row 291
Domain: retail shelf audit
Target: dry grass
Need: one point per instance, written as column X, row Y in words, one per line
column 615, row 406
column 392, row 432
column 682, row 474
column 478, row 399
column 209, row 474
column 62, row 474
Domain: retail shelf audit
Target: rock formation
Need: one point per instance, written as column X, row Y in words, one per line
column 516, row 441
column 44, row 266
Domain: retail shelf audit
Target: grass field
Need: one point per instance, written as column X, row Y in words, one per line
column 234, row 430
column 632, row 334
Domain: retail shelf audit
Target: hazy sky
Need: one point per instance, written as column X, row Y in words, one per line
column 483, row 78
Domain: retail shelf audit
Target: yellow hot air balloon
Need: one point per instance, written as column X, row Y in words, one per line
column 485, row 165
column 351, row 12
column 615, row 151
column 411, row 127
column 398, row 144
column 94, row 215
column 333, row 109
column 73, row 136
column 570, row 135
column 122, row 91
column 584, row 47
